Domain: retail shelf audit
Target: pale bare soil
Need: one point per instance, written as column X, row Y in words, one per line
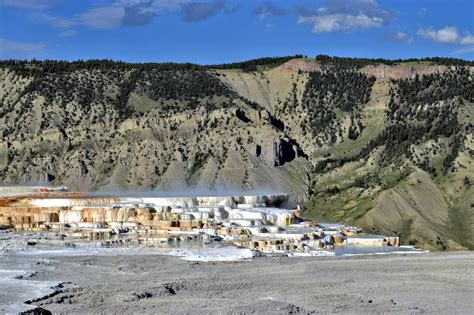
column 433, row 283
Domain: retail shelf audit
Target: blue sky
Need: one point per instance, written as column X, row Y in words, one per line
column 217, row 31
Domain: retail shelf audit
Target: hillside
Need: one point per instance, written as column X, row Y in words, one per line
column 383, row 144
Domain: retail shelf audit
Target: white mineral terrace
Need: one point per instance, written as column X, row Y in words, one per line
column 262, row 223
column 185, row 202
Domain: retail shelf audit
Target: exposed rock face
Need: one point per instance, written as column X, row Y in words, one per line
column 33, row 177
column 283, row 152
column 120, row 127
column 401, row 71
column 90, row 147
column 242, row 116
column 301, row 64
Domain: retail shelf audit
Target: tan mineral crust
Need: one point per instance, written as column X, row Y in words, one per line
column 257, row 222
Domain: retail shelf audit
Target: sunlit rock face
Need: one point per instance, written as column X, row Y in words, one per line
column 24, row 206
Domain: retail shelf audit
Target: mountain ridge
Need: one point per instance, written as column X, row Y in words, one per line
column 342, row 135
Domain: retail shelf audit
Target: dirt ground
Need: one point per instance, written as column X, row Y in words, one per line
column 441, row 283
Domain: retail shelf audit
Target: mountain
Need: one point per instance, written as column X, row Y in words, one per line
column 384, row 144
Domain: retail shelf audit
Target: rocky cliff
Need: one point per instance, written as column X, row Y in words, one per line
column 366, row 142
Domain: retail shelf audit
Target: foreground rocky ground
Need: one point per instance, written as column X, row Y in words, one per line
column 418, row 283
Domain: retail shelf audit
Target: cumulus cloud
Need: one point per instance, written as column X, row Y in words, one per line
column 198, row 11
column 446, row 35
column 339, row 15
column 17, row 50
column 269, row 9
column 398, row 37
column 468, row 39
column 30, row 4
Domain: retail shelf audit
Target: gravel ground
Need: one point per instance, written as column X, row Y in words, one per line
column 440, row 283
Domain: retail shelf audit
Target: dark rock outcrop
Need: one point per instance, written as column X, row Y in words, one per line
column 283, row 152
column 240, row 114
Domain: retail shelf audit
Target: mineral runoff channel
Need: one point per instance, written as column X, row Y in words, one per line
column 257, row 225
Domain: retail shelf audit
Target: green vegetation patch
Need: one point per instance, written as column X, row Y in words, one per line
column 460, row 225
column 194, row 170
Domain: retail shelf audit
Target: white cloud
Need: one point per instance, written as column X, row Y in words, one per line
column 123, row 12
column 17, row 50
column 54, row 21
column 99, row 17
column 446, row 35
column 103, row 17
column 199, row 11
column 269, row 9
column 118, row 13
column 339, row 22
column 340, row 15
column 468, row 39
column 29, row 4
column 398, row 37
column 156, row 4
column 465, row 50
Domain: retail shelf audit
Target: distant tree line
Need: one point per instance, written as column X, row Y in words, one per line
column 357, row 63
column 32, row 67
column 251, row 65
column 56, row 66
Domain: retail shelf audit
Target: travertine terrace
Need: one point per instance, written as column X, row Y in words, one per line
column 267, row 224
